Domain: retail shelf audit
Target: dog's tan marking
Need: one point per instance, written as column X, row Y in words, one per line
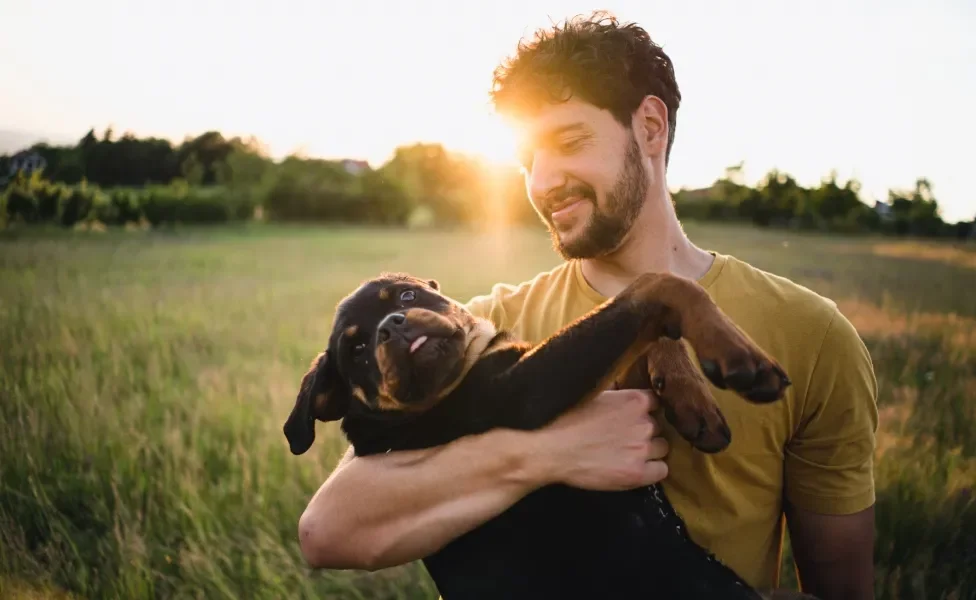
column 359, row 394
column 351, row 330
column 384, row 294
column 478, row 336
column 385, row 398
column 387, row 402
column 432, row 322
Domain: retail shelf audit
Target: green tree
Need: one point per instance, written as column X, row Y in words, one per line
column 916, row 212
column 434, row 178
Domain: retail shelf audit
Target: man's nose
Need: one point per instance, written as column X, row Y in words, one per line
column 544, row 176
column 392, row 323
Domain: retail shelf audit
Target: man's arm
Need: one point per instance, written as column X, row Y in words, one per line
column 378, row 511
column 829, row 502
column 384, row 510
column 834, row 553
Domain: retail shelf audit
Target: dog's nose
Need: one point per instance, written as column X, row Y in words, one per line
column 389, row 324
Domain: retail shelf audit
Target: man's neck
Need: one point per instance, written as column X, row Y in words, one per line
column 655, row 244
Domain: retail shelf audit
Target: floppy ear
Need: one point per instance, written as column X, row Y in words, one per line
column 319, row 397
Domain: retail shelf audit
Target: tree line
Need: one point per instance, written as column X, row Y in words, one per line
column 214, row 179
column 779, row 201
column 211, row 178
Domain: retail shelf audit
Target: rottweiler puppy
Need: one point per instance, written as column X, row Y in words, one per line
column 407, row 367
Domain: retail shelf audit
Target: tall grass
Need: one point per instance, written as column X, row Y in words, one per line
column 144, row 378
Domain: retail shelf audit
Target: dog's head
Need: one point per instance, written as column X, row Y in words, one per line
column 397, row 344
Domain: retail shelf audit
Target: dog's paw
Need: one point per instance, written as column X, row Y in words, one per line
column 690, row 407
column 733, row 362
column 702, row 426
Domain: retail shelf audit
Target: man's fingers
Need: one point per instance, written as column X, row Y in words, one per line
column 647, row 399
column 654, row 472
column 654, row 401
column 655, row 426
column 658, row 449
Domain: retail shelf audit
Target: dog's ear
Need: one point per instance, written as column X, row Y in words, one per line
column 319, row 397
column 433, row 283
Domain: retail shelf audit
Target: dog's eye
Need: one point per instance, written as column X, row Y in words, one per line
column 408, row 296
column 358, row 349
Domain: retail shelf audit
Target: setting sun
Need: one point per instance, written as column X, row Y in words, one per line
column 489, row 138
column 473, row 133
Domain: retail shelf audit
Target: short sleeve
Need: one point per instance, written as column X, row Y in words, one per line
column 830, row 459
column 496, row 306
column 481, row 306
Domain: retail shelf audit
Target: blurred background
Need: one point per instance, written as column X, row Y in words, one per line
column 188, row 188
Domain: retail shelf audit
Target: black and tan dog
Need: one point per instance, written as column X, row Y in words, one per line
column 407, row 367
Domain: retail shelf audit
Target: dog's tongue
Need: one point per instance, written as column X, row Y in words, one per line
column 417, row 343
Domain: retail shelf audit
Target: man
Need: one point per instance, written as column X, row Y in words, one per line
column 596, row 101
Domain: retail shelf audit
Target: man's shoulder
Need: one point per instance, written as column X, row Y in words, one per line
column 778, row 300
column 807, row 329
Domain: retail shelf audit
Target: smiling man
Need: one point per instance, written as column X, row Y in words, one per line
column 596, row 102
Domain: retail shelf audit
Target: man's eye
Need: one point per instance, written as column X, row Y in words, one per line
column 572, row 145
column 408, row 296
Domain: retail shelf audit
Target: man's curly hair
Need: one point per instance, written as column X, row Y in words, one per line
column 610, row 65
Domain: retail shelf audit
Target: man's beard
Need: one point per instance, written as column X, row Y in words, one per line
column 605, row 230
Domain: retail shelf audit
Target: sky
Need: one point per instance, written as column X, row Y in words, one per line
column 878, row 90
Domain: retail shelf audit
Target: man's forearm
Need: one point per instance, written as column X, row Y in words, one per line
column 384, row 510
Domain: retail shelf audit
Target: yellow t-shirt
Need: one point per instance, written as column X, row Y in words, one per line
column 815, row 447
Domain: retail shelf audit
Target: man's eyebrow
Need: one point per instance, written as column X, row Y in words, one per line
column 552, row 134
column 569, row 128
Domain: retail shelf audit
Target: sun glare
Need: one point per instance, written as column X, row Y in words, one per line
column 487, row 137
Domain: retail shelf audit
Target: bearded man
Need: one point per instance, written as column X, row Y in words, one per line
column 596, row 102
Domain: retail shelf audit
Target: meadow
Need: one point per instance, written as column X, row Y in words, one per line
column 145, row 375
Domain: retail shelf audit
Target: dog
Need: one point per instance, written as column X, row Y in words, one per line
column 407, row 367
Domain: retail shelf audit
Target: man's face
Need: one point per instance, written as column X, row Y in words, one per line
column 585, row 176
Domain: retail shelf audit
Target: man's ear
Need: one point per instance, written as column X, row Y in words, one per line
column 652, row 121
column 319, row 397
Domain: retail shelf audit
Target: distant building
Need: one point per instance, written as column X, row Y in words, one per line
column 354, row 167
column 27, row 161
column 883, row 209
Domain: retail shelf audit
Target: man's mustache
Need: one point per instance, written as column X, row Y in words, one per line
column 559, row 197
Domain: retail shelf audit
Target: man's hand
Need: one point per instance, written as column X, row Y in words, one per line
column 834, row 553
column 609, row 443
column 388, row 509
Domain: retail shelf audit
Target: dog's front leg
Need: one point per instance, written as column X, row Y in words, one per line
column 728, row 358
column 585, row 357
column 581, row 360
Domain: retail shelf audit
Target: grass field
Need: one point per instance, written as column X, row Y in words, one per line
column 144, row 378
